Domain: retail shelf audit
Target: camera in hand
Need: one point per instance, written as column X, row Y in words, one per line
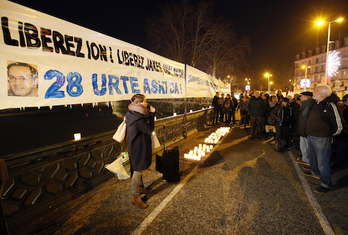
column 158, row 112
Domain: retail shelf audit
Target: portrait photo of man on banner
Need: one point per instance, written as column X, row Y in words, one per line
column 22, row 79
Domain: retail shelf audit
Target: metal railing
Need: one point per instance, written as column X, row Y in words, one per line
column 45, row 178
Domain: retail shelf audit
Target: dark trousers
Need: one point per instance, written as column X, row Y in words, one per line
column 216, row 116
column 227, row 116
column 221, row 114
column 339, row 151
column 244, row 118
column 283, row 133
column 296, row 136
column 233, row 116
column 255, row 125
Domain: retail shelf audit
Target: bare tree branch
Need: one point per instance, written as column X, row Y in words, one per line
column 190, row 34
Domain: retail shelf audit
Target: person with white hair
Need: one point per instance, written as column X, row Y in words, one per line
column 324, row 121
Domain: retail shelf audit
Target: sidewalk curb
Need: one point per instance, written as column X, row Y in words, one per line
column 312, row 200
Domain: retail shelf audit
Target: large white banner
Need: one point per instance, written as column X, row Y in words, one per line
column 226, row 89
column 200, row 84
column 45, row 61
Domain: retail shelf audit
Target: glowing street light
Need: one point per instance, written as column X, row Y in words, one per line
column 267, row 75
column 320, row 22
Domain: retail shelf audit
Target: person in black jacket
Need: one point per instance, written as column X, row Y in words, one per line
column 234, row 107
column 243, row 108
column 282, row 114
column 306, row 105
column 140, row 123
column 227, row 109
column 221, row 104
column 257, row 109
column 271, row 104
column 340, row 142
column 216, row 106
column 295, row 104
column 324, row 121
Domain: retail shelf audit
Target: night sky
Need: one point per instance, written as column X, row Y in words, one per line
column 278, row 29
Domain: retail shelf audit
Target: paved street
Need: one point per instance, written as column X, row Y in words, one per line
column 243, row 187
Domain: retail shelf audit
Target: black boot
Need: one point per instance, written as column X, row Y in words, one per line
column 282, row 145
column 285, row 146
column 278, row 146
column 268, row 135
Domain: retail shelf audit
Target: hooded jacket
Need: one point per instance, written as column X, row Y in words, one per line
column 140, row 125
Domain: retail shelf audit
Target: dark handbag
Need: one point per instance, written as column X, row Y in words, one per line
column 271, row 121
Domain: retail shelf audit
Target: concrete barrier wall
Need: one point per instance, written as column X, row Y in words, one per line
column 42, row 179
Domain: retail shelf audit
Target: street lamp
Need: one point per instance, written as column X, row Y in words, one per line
column 305, row 76
column 320, row 22
column 267, row 75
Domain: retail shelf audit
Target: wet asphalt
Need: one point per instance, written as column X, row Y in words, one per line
column 242, row 187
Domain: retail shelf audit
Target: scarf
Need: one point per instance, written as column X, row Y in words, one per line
column 138, row 108
column 272, row 104
column 305, row 105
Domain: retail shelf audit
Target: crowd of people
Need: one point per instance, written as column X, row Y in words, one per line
column 313, row 122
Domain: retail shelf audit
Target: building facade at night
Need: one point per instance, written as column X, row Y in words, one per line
column 315, row 61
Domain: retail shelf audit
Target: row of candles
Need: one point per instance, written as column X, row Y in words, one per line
column 214, row 137
column 200, row 151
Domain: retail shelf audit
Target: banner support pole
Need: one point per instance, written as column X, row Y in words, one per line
column 185, row 110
